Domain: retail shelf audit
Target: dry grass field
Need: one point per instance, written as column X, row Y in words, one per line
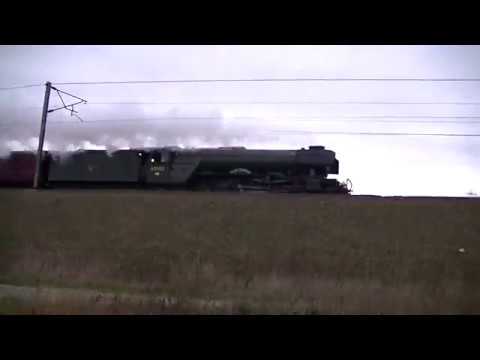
column 127, row 251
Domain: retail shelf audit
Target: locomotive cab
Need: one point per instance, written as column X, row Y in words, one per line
column 159, row 162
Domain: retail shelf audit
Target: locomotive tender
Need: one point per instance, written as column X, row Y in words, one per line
column 234, row 168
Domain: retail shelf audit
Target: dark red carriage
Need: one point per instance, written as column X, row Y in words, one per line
column 18, row 169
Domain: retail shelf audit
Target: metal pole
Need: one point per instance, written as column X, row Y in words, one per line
column 38, row 175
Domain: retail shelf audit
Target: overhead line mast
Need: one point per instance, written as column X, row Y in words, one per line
column 41, row 138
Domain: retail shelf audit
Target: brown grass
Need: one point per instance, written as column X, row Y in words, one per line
column 254, row 253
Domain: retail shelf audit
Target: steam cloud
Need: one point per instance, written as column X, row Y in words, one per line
column 130, row 128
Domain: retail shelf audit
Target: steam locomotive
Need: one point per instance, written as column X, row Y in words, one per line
column 232, row 168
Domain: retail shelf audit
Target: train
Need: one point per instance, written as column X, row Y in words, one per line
column 211, row 169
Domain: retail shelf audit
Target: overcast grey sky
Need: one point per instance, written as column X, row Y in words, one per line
column 392, row 165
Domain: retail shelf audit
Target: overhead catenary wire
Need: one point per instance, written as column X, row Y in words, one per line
column 21, row 87
column 368, row 118
column 339, row 119
column 321, row 119
column 375, row 117
column 467, row 103
column 310, row 79
column 312, row 102
column 351, row 133
column 302, row 132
